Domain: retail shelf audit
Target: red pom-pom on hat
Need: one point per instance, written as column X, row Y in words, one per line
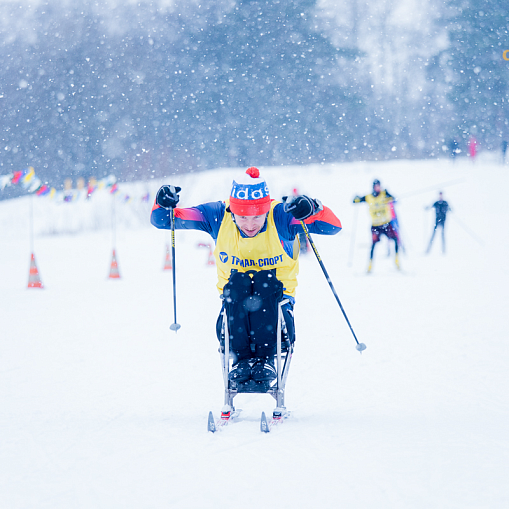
column 253, row 172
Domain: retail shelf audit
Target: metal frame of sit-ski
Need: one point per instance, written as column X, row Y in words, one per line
column 275, row 388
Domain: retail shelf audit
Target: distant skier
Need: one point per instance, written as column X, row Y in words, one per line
column 379, row 202
column 452, row 145
column 441, row 208
column 256, row 255
column 472, row 147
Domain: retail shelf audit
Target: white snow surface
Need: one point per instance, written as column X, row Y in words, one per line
column 102, row 406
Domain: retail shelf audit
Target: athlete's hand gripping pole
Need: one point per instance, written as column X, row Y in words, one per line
column 174, row 326
column 360, row 346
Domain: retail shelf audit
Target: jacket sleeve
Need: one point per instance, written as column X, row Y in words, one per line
column 206, row 218
column 324, row 222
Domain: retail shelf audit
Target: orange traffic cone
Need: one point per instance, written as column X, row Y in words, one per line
column 114, row 274
column 210, row 260
column 167, row 260
column 34, row 280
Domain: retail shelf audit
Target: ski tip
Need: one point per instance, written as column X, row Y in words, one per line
column 264, row 425
column 211, row 424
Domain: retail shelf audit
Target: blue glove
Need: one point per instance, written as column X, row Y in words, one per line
column 167, row 197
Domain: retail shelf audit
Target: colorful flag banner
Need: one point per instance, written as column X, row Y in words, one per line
column 33, row 184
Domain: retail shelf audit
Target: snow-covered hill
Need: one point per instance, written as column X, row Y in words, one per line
column 102, row 406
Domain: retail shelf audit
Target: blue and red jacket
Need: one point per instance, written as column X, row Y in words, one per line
column 209, row 216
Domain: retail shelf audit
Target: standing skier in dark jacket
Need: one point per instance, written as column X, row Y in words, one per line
column 441, row 208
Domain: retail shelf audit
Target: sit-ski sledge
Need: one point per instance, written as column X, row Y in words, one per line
column 276, row 388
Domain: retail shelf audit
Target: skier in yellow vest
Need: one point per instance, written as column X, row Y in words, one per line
column 381, row 218
column 256, row 252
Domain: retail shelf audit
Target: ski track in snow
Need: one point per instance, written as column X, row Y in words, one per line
column 102, row 406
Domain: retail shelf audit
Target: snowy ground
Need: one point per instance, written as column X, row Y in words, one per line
column 102, row 406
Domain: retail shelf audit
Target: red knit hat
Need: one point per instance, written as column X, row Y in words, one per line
column 250, row 194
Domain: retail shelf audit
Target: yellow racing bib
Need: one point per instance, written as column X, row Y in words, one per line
column 262, row 252
column 379, row 208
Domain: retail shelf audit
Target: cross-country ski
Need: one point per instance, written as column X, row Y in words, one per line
column 278, row 417
column 226, row 417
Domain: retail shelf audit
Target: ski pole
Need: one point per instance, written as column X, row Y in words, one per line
column 424, row 228
column 432, row 188
column 468, row 230
column 174, row 326
column 352, row 238
column 360, row 346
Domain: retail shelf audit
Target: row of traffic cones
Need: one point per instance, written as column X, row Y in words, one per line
column 34, row 278
column 114, row 273
column 210, row 260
